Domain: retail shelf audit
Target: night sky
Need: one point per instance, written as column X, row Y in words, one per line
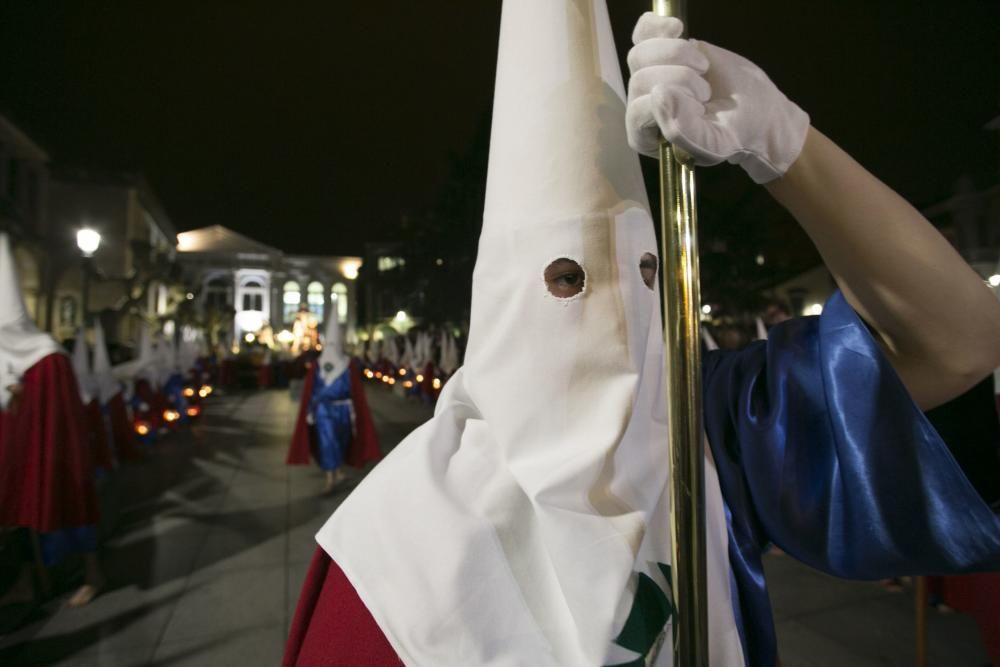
column 316, row 128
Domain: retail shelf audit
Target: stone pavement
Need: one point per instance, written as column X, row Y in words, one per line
column 208, row 544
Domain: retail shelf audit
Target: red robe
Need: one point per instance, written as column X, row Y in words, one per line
column 98, row 432
column 122, row 432
column 364, row 446
column 46, row 467
column 332, row 626
column 978, row 595
column 264, row 376
column 156, row 401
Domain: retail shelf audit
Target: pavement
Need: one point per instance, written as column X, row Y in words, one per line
column 207, row 544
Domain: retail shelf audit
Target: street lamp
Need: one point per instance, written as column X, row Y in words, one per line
column 88, row 241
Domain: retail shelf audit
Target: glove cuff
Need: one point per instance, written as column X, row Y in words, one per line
column 782, row 146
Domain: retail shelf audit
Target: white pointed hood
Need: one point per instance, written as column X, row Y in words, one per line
column 708, row 339
column 22, row 345
column 406, row 361
column 81, row 366
column 332, row 360
column 390, row 350
column 761, row 329
column 522, row 515
column 144, row 365
column 104, row 382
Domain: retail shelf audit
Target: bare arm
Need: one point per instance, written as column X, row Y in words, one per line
column 938, row 322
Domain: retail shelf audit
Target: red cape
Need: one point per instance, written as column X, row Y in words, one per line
column 364, row 446
column 122, row 432
column 46, row 469
column 155, row 401
column 264, row 376
column 978, row 595
column 98, row 432
column 298, row 451
column 332, row 626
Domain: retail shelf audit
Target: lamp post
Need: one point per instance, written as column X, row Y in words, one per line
column 88, row 241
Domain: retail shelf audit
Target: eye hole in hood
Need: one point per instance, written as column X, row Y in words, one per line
column 647, row 269
column 564, row 278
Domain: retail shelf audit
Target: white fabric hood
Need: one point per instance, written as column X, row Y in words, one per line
column 512, row 528
column 144, row 366
column 332, row 359
column 104, row 382
column 81, row 366
column 22, row 345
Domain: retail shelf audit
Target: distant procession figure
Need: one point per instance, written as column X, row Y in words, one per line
column 334, row 426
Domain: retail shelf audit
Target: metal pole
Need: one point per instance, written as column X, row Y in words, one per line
column 682, row 309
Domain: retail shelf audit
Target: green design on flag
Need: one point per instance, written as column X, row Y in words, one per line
column 651, row 609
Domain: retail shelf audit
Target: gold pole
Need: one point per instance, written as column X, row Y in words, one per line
column 920, row 612
column 682, row 307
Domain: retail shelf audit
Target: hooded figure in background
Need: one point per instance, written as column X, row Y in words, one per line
column 111, row 394
column 142, row 381
column 46, row 464
column 334, row 424
column 96, row 428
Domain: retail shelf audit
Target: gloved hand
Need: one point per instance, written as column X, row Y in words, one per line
column 310, row 418
column 709, row 102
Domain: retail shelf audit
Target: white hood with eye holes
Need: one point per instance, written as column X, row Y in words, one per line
column 22, row 345
column 332, row 360
column 512, row 528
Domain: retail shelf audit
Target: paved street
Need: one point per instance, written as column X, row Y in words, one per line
column 210, row 540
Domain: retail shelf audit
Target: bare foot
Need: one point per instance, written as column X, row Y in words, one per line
column 83, row 596
column 892, row 585
column 333, row 480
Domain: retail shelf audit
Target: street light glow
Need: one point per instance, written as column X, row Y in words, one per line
column 994, row 280
column 88, row 241
column 349, row 267
column 707, row 309
column 814, row 309
column 401, row 316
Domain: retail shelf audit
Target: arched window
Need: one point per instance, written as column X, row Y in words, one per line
column 314, row 296
column 338, row 295
column 253, row 295
column 217, row 294
column 67, row 311
column 291, row 299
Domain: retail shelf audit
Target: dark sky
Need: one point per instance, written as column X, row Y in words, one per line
column 314, row 127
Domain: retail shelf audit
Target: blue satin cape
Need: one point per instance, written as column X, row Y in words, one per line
column 332, row 418
column 821, row 451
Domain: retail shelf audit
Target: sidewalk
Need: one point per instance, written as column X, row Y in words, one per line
column 213, row 535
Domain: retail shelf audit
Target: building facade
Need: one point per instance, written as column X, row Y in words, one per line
column 240, row 286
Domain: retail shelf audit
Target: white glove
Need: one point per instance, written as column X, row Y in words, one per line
column 709, row 102
column 310, row 418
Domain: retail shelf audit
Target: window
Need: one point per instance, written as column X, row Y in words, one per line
column 67, row 311
column 291, row 298
column 338, row 296
column 314, row 295
column 390, row 263
column 253, row 302
column 217, row 295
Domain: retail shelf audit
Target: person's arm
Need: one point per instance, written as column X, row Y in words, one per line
column 938, row 322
